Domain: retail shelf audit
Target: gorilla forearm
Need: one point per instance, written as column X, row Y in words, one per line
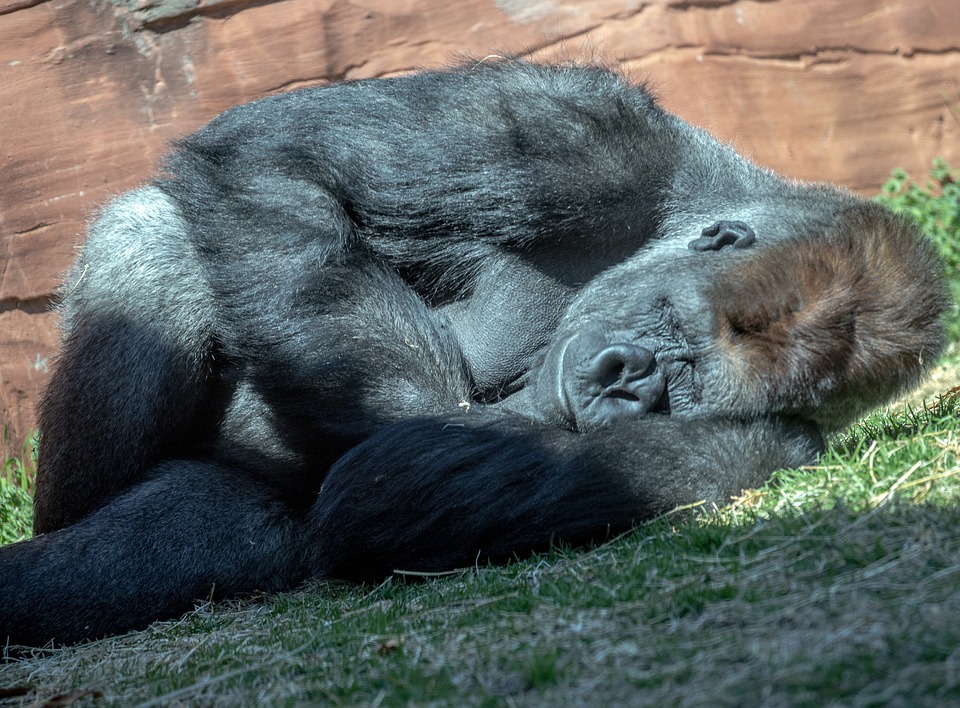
column 466, row 494
column 477, row 492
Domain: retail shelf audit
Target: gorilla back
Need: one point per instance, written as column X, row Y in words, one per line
column 425, row 321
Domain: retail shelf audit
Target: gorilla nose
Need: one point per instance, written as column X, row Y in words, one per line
column 619, row 365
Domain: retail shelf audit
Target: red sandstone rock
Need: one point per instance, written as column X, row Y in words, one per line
column 91, row 91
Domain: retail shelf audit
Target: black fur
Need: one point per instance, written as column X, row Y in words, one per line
column 436, row 320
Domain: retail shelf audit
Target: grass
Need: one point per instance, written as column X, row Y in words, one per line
column 16, row 488
column 833, row 585
column 935, row 206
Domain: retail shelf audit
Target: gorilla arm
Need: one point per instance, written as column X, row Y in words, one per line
column 476, row 492
column 421, row 495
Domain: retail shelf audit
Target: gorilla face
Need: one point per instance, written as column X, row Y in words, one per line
column 601, row 367
column 821, row 327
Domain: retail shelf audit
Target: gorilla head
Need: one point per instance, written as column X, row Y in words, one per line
column 822, row 327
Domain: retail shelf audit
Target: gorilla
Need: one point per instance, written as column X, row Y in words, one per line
column 437, row 320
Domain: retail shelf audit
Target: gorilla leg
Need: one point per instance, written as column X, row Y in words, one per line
column 135, row 361
column 191, row 531
column 480, row 492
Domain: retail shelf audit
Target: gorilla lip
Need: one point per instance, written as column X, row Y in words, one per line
column 675, row 357
column 681, row 379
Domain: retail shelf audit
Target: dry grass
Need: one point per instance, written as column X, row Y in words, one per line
column 847, row 609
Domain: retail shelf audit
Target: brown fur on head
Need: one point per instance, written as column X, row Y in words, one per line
column 831, row 325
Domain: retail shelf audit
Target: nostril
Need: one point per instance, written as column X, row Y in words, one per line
column 613, row 374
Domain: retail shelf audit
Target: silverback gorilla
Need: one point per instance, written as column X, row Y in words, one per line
column 423, row 322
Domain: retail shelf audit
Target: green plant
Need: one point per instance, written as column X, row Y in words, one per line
column 16, row 489
column 935, row 206
column 16, row 512
column 20, row 469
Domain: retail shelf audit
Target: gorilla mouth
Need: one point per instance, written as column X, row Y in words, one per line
column 661, row 406
column 601, row 374
column 682, row 392
column 675, row 358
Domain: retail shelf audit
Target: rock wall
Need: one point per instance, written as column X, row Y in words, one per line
column 91, row 91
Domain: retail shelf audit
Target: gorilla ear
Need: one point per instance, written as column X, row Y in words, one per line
column 830, row 325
